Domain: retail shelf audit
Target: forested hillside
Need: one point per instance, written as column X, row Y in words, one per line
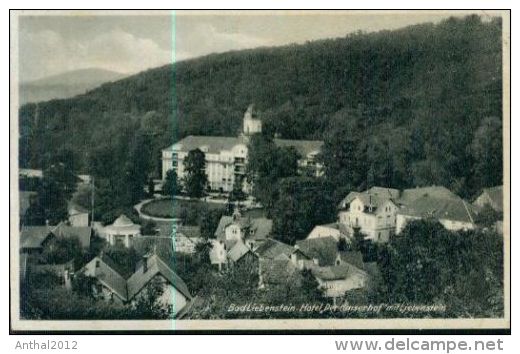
column 415, row 106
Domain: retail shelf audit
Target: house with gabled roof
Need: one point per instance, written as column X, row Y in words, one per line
column 153, row 270
column 33, row 239
column 83, row 233
column 338, row 279
column 336, row 230
column 78, row 215
column 321, row 251
column 453, row 213
column 240, row 252
column 372, row 212
column 279, row 263
column 273, row 249
column 375, row 211
column 185, row 238
column 236, row 236
column 252, row 231
column 493, row 196
column 276, row 272
column 110, row 285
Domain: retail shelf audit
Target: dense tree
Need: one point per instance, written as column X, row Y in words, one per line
column 171, row 183
column 344, row 153
column 202, row 251
column 62, row 250
column 54, row 192
column 486, row 149
column 35, row 214
column 148, row 305
column 488, row 216
column 151, row 187
column 359, row 241
column 196, row 178
column 302, row 203
column 428, row 264
column 124, row 258
column 267, row 164
column 208, row 221
column 237, row 193
column 149, row 228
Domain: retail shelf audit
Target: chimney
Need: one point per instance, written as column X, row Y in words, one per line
column 236, row 213
column 145, row 264
column 66, row 277
column 338, row 259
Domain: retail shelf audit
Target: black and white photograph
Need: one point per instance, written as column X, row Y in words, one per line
column 259, row 170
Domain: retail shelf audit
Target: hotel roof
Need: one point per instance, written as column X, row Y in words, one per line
column 216, row 144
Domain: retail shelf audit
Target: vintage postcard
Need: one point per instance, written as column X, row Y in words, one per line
column 260, row 170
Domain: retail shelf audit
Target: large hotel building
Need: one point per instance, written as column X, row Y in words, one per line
column 226, row 157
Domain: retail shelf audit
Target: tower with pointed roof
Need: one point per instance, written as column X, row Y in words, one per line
column 251, row 124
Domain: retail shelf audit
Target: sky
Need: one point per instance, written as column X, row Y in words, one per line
column 129, row 43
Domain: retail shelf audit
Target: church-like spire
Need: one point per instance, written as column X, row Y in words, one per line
column 251, row 125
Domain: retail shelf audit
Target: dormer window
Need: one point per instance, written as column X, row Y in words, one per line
column 338, row 260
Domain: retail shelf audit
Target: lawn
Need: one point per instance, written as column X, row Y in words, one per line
column 172, row 208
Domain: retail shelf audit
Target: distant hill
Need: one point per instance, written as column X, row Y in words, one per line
column 425, row 88
column 65, row 85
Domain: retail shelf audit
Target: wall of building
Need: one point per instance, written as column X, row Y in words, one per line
column 452, row 225
column 378, row 226
column 221, row 168
column 183, row 244
column 338, row 288
column 218, row 253
column 104, row 293
column 79, row 220
column 233, row 232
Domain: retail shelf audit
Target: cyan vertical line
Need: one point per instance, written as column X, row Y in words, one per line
column 173, row 94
